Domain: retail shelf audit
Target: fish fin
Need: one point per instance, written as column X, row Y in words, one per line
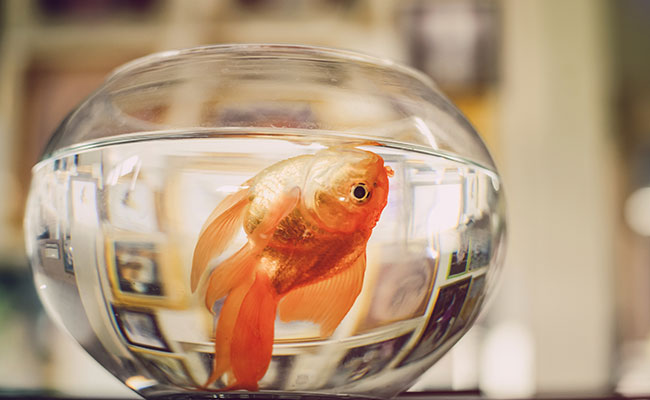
column 241, row 265
column 231, row 273
column 236, row 278
column 217, row 232
column 226, row 328
column 325, row 302
column 252, row 346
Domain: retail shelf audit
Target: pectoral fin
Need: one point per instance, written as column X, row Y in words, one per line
column 231, row 273
column 217, row 232
column 241, row 265
column 326, row 302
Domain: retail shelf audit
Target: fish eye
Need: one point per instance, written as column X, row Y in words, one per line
column 360, row 192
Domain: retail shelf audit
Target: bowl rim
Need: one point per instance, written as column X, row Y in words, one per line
column 272, row 50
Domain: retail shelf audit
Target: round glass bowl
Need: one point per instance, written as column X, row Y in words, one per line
column 177, row 165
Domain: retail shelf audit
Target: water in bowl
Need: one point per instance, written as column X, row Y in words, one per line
column 111, row 228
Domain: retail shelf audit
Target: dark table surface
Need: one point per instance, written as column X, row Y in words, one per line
column 451, row 395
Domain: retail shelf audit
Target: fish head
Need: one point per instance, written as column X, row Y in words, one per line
column 346, row 189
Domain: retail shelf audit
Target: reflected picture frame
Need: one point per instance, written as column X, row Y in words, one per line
column 448, row 305
column 139, row 328
column 144, row 272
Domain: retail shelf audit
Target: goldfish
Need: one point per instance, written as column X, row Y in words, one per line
column 307, row 220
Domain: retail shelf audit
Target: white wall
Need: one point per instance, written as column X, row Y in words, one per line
column 557, row 159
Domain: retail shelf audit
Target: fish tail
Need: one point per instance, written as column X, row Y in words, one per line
column 252, row 342
column 244, row 334
column 226, row 329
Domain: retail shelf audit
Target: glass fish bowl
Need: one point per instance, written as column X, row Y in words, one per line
column 265, row 221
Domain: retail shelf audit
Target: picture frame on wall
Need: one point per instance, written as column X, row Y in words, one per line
column 367, row 360
column 84, row 201
column 472, row 304
column 131, row 205
column 448, row 305
column 401, row 291
column 480, row 248
column 168, row 368
column 144, row 272
column 139, row 328
column 137, row 266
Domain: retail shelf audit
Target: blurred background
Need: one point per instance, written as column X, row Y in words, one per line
column 559, row 90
